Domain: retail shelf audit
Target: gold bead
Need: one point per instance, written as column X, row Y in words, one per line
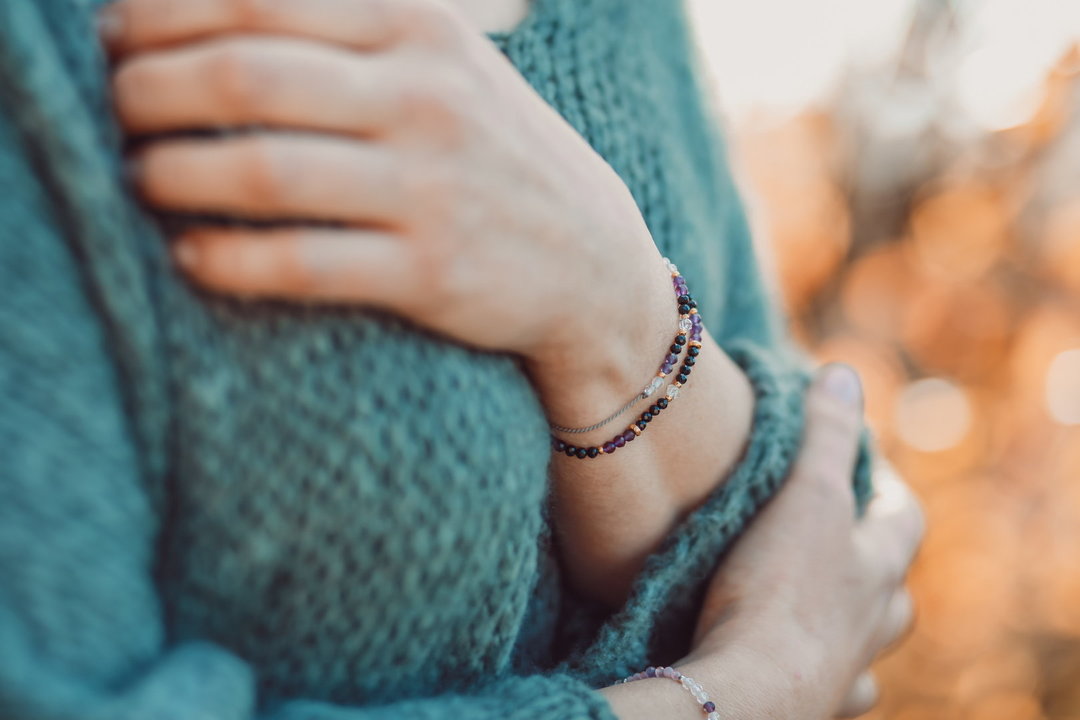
column 636, row 429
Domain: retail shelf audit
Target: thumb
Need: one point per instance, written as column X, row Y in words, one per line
column 834, row 405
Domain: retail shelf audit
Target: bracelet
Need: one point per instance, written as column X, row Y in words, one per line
column 692, row 686
column 689, row 337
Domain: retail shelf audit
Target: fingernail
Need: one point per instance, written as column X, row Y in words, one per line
column 110, row 24
column 842, row 383
column 186, row 254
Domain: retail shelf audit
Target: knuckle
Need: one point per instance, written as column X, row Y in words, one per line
column 432, row 103
column 426, row 22
column 240, row 77
column 265, row 172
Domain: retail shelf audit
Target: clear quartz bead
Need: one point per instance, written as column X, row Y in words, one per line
column 686, row 324
column 672, row 392
column 652, row 387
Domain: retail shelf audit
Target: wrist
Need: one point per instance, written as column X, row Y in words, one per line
column 607, row 355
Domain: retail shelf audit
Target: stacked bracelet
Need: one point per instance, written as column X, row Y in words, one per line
column 691, row 685
column 688, row 337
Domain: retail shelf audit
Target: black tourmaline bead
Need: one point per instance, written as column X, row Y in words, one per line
column 560, row 446
column 570, row 451
column 582, row 453
column 683, row 300
column 684, row 309
column 692, row 303
column 691, row 361
column 662, row 403
column 680, row 340
column 682, row 378
column 593, row 452
column 693, row 351
column 647, row 416
column 675, row 349
column 642, row 424
column 655, row 409
column 686, row 370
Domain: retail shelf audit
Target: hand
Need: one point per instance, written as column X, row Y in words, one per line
column 463, row 201
column 810, row 594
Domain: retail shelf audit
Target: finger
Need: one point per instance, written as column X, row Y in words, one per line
column 132, row 25
column 306, row 264
column 862, row 697
column 256, row 81
column 892, row 528
column 831, row 439
column 899, row 618
column 272, row 175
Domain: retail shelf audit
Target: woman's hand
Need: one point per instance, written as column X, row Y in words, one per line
column 809, row 596
column 463, row 201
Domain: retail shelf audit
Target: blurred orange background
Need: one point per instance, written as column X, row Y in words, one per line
column 913, row 174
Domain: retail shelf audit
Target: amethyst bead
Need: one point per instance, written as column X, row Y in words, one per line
column 650, row 672
column 609, row 447
column 620, row 442
column 671, row 359
column 709, row 707
column 628, row 436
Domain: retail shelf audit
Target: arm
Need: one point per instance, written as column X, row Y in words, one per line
column 512, row 236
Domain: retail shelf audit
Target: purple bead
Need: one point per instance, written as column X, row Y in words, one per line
column 695, row 319
column 709, row 707
column 609, row 447
column 671, row 359
column 650, row 672
column 619, row 441
column 628, row 436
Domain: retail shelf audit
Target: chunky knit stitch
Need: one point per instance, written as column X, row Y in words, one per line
column 211, row 509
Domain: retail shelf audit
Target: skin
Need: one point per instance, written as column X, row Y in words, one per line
column 389, row 118
column 377, row 109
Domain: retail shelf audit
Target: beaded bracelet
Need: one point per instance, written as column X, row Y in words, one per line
column 692, row 686
column 689, row 337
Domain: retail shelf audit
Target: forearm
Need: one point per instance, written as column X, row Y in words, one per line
column 743, row 684
column 612, row 512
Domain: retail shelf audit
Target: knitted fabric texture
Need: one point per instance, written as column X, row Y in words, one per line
column 212, row 509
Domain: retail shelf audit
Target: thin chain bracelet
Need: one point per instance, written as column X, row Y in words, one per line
column 654, row 385
column 692, row 686
column 689, row 337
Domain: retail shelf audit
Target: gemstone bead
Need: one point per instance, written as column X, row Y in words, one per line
column 662, row 403
column 672, row 392
column 642, row 424
column 559, row 445
column 570, row 451
column 650, row 672
column 653, row 386
column 680, row 340
column 690, row 361
column 684, row 309
column 593, row 452
column 582, row 453
column 681, row 378
column 620, row 442
column 629, row 435
column 609, row 447
column 683, row 299
column 693, row 351
column 646, row 417
column 655, row 409
column 709, row 707
column 675, row 350
column 671, row 359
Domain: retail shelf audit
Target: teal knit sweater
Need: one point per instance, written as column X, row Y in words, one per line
column 211, row 509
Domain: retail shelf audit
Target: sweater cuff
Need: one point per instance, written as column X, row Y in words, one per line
column 657, row 623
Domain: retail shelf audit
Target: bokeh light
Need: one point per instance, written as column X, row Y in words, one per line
column 913, row 173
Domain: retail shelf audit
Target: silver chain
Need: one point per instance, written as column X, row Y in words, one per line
column 577, row 431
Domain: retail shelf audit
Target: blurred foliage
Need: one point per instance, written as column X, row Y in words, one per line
column 942, row 260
